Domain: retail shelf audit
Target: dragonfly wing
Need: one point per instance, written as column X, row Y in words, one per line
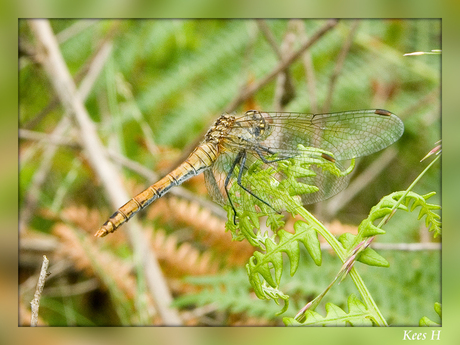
column 215, row 177
column 347, row 135
column 327, row 183
column 266, row 142
column 213, row 186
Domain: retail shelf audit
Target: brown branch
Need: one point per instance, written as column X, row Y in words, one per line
column 307, row 61
column 284, row 89
column 251, row 90
column 339, row 65
column 58, row 73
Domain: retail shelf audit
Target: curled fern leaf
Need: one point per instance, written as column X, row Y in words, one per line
column 275, row 294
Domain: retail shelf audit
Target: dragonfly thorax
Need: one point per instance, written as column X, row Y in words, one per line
column 220, row 129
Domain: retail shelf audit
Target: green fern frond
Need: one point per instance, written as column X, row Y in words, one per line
column 229, row 292
column 358, row 315
column 280, row 195
column 432, row 220
column 269, row 264
column 399, row 200
column 403, row 200
column 263, row 264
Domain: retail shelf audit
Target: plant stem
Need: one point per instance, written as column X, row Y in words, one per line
column 359, row 283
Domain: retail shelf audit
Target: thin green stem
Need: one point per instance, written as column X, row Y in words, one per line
column 358, row 281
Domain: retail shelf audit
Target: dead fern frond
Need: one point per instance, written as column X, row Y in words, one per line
column 82, row 217
column 181, row 259
column 208, row 228
column 86, row 256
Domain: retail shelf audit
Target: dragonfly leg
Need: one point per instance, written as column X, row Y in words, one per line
column 227, row 180
column 240, row 174
column 266, row 149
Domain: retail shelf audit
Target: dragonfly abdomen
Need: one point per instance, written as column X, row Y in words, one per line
column 200, row 159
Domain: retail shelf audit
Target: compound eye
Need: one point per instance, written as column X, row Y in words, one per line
column 253, row 113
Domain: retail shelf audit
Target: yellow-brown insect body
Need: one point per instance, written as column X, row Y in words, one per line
column 200, row 159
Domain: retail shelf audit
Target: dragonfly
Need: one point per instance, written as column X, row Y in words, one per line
column 237, row 145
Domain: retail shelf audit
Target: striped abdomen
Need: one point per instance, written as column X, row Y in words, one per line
column 200, row 159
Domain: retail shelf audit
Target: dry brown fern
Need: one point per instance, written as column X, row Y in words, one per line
column 208, row 229
column 88, row 257
column 180, row 259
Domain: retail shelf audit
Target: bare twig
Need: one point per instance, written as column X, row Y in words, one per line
column 307, row 61
column 265, row 29
column 32, row 196
column 251, row 90
column 48, row 139
column 35, row 303
column 75, row 29
column 338, row 66
column 284, row 90
column 64, row 86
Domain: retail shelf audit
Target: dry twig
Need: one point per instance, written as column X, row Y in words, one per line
column 55, row 66
column 35, row 303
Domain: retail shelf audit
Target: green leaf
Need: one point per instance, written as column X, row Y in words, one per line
column 438, row 309
column 426, row 322
column 264, row 264
column 310, row 241
column 368, row 256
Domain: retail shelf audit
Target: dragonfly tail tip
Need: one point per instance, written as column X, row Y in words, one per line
column 101, row 233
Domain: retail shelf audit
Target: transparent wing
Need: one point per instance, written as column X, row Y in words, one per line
column 347, row 134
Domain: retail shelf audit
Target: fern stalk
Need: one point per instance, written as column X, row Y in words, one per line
column 358, row 281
